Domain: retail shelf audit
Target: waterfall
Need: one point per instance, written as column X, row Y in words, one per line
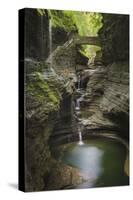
column 77, row 104
column 80, row 137
column 77, row 107
column 50, row 41
column 42, row 38
column 79, row 82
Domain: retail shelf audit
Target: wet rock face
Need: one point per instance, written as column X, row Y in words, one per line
column 41, row 100
column 36, row 35
column 63, row 177
column 107, row 98
column 115, row 103
column 64, row 120
column 114, row 37
column 63, row 59
column 81, row 59
column 59, row 37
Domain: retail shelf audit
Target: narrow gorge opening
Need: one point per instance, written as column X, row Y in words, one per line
column 77, row 93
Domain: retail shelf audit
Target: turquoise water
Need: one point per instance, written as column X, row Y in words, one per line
column 100, row 161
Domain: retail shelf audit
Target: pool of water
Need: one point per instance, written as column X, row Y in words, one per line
column 101, row 161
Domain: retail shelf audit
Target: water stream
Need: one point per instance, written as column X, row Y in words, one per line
column 42, row 37
column 79, row 82
column 80, row 136
column 50, row 47
column 50, row 37
column 77, row 109
column 100, row 160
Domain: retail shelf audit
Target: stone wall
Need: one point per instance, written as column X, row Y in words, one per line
column 107, row 99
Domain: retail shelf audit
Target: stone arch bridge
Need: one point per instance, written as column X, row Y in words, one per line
column 64, row 57
column 87, row 40
column 83, row 40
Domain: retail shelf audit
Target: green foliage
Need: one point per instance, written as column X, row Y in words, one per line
column 85, row 23
column 62, row 19
column 43, row 92
column 40, row 12
column 89, row 50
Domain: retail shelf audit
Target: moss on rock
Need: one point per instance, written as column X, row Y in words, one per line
column 42, row 91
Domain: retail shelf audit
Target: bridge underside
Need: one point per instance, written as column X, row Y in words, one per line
column 87, row 41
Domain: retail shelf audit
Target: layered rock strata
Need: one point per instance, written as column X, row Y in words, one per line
column 44, row 91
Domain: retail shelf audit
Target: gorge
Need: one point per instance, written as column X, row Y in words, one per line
column 77, row 108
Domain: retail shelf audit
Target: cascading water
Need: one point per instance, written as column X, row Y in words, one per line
column 77, row 108
column 79, row 82
column 50, row 47
column 50, row 43
column 80, row 136
column 42, row 38
column 50, row 37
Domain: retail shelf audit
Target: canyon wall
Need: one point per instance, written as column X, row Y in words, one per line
column 107, row 96
column 48, row 91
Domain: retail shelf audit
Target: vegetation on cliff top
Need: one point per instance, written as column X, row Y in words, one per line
column 85, row 23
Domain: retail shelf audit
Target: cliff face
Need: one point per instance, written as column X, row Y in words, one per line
column 36, row 35
column 44, row 92
column 107, row 99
